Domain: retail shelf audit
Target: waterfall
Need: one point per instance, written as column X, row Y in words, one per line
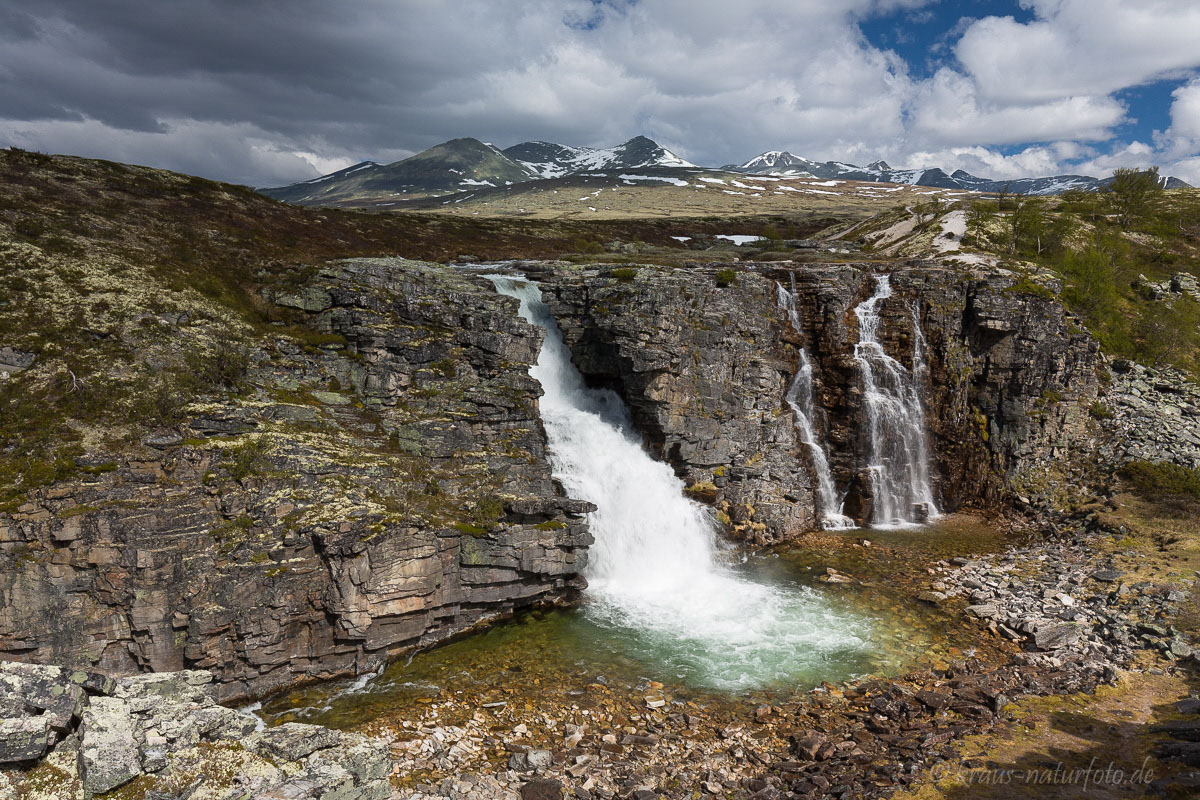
column 799, row 398
column 656, row 568
column 899, row 458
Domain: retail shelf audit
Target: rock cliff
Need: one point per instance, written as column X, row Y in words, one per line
column 704, row 358
column 380, row 483
column 377, row 485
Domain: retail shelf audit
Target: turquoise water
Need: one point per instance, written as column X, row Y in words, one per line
column 550, row 657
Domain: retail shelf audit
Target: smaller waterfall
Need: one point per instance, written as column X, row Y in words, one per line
column 899, row 458
column 799, row 398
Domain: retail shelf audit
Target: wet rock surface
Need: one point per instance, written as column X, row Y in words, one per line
column 164, row 735
column 704, row 368
column 704, row 363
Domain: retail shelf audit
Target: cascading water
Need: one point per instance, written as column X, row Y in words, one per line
column 799, row 398
column 899, row 458
column 655, row 569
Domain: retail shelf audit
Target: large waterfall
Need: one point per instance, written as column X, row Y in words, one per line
column 656, row 569
column 899, row 457
column 800, row 399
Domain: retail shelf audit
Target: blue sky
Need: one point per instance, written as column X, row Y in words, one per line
column 924, row 38
column 267, row 94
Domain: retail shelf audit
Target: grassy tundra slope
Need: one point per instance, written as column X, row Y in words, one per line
column 1128, row 272
column 96, row 255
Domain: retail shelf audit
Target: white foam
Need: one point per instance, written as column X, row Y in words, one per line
column 656, row 567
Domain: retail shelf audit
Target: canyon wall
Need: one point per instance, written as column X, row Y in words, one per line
column 380, row 483
column 704, row 362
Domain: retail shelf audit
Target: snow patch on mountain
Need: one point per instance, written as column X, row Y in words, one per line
column 673, row 181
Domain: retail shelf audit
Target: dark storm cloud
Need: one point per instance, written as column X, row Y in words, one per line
column 272, row 91
column 284, row 65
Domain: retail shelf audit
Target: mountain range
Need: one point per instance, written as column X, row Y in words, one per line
column 781, row 162
column 464, row 165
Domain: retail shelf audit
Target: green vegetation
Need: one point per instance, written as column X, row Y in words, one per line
column 1134, row 194
column 248, row 459
column 726, row 277
column 927, row 213
column 1026, row 285
column 487, row 512
column 625, row 274
column 587, row 246
column 1162, row 480
column 1100, row 243
column 979, row 216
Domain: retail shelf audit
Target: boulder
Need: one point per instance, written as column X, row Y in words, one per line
column 983, row 610
column 108, row 753
column 542, row 789
column 293, row 741
column 24, row 739
column 1057, row 637
column 13, row 360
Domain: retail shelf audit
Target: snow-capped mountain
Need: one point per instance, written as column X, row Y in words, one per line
column 467, row 164
column 448, row 167
column 781, row 162
column 550, row 160
column 775, row 160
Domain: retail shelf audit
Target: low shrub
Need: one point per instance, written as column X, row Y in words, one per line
column 249, row 458
column 1162, row 480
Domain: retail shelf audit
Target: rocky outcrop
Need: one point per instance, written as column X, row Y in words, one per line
column 1149, row 415
column 703, row 364
column 378, row 484
column 1179, row 284
column 703, row 357
column 1011, row 379
column 166, row 733
column 12, row 360
column 380, row 481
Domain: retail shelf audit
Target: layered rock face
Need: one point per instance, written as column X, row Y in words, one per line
column 705, row 366
column 1009, row 385
column 704, row 369
column 377, row 486
column 380, row 482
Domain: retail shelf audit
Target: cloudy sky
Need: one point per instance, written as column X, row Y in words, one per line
column 267, row 92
